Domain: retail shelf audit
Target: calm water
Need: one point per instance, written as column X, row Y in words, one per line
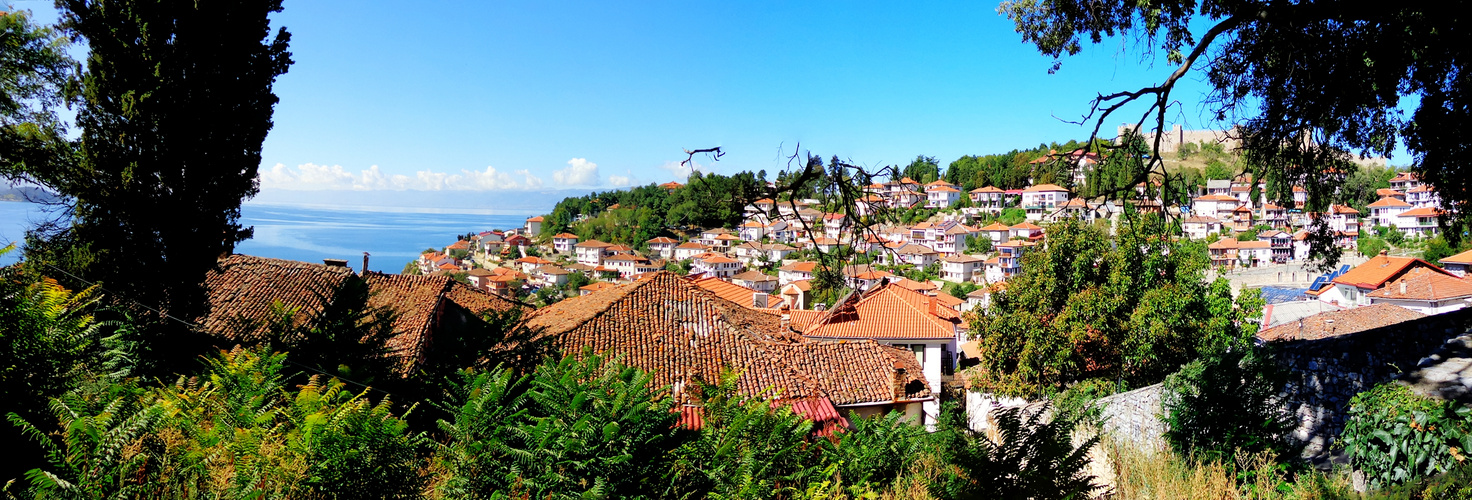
column 312, row 233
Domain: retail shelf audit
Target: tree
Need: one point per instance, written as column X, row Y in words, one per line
column 923, row 169
column 1033, row 456
column 175, row 101
column 1136, row 308
column 34, row 69
column 1309, row 83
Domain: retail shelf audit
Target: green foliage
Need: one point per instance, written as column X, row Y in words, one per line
column 1436, row 249
column 1187, row 150
column 174, row 103
column 876, row 450
column 1012, row 216
column 978, row 245
column 1395, row 436
column 1083, row 307
column 1371, row 246
column 348, row 338
column 1074, row 402
column 1394, row 236
column 1033, row 458
column 234, row 432
column 575, row 281
column 1223, row 404
column 645, row 212
column 923, row 169
column 47, row 333
column 746, row 448
column 1216, row 170
column 34, row 67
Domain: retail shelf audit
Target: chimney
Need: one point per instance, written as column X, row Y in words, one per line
column 759, row 300
column 1383, row 252
column 335, row 262
column 899, row 383
column 931, row 307
column 786, row 315
column 365, row 264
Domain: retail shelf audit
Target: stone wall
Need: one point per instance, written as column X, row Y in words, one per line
column 1173, row 138
column 1323, row 375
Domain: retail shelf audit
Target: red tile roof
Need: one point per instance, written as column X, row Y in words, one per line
column 1422, row 212
column 887, row 312
column 1388, row 202
column 1461, row 258
column 565, row 236
column 1336, row 323
column 1380, row 269
column 593, row 244
column 679, row 331
column 1425, row 284
column 801, row 267
column 663, row 239
column 535, row 219
column 243, row 292
column 727, row 290
column 1044, row 188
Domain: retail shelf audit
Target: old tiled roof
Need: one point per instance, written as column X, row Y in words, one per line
column 1425, row 284
column 960, row 259
column 593, row 287
column 1380, row 269
column 1461, row 258
column 417, row 299
column 913, row 249
column 727, row 290
column 1388, row 193
column 243, row 291
column 988, row 189
column 1044, row 188
column 663, row 239
column 1388, row 202
column 912, row 285
column 1422, row 212
column 565, row 236
column 1026, row 225
column 535, row 219
column 593, row 244
column 1335, row 323
column 691, row 244
column 995, row 226
column 753, row 275
column 679, row 332
column 886, row 312
column 801, row 267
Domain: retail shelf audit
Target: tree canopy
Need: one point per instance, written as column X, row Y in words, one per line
column 1309, row 83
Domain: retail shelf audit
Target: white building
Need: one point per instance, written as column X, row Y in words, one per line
column 590, row 253
column 961, row 268
column 563, row 243
column 1425, row 290
column 1043, row 199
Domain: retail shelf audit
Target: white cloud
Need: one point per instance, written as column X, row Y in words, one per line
column 625, row 180
column 308, row 176
column 579, row 172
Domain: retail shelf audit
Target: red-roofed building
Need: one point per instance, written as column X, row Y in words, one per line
column 987, row 198
column 894, row 315
column 1042, row 199
column 1421, row 221
column 563, row 242
column 1458, row 264
column 534, row 225
column 796, row 271
column 1425, row 291
column 714, row 265
column 1353, row 288
column 671, row 186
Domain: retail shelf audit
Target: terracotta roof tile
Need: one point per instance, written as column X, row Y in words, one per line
column 1336, row 323
column 679, row 331
column 1380, row 269
column 1461, row 258
column 243, row 290
column 1425, row 284
column 887, row 312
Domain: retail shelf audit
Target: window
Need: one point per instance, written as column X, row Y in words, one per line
column 919, row 352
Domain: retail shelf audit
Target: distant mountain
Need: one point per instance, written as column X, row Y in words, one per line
column 10, row 192
column 531, row 202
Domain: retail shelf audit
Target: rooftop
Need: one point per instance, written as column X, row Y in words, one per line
column 1336, row 323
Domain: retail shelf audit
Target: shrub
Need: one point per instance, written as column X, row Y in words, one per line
column 1224, row 404
column 1395, row 436
column 1032, row 458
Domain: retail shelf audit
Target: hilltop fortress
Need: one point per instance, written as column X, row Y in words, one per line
column 1231, row 140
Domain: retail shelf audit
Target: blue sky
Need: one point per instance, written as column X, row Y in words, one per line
column 489, row 95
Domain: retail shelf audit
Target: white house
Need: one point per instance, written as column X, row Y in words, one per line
column 1197, row 227
column 961, row 268
column 796, row 271
column 755, row 280
column 688, row 250
column 1352, row 288
column 987, row 198
column 1458, row 264
column 663, row 246
column 941, row 196
column 564, row 242
column 1043, row 199
column 1386, row 211
column 590, row 253
column 534, row 226
column 549, row 275
column 1213, row 205
column 1427, row 291
column 1423, row 196
column 1420, row 222
column 714, row 264
column 896, row 316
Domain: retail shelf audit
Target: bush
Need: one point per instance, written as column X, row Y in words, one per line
column 1032, row 458
column 1371, row 246
column 1223, row 404
column 1395, row 436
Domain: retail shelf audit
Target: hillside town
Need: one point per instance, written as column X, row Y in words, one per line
column 912, row 286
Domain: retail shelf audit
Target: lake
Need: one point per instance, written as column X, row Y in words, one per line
column 310, row 233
